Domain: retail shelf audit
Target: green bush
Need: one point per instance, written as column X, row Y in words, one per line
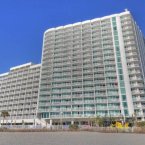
column 73, row 127
column 140, row 124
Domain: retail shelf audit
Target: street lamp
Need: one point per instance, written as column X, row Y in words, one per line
column 23, row 123
column 35, row 118
column 121, row 118
column 0, row 120
column 11, row 121
column 34, row 123
column 110, row 118
column 61, row 115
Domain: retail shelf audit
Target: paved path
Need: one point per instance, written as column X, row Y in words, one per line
column 71, row 138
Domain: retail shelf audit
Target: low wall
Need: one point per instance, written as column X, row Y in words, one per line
column 95, row 129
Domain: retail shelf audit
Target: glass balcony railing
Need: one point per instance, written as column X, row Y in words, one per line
column 137, row 92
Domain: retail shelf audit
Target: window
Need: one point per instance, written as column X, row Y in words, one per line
column 123, row 90
column 115, row 28
column 116, row 42
column 120, row 71
column 114, row 23
column 118, row 59
column 117, row 48
column 119, row 65
column 126, row 112
column 124, row 104
column 118, row 53
column 121, row 77
column 121, row 83
column 116, row 37
column 123, row 97
column 115, row 33
column 113, row 18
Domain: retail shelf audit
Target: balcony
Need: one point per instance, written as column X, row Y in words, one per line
column 77, row 115
column 77, row 84
column 143, row 106
column 77, row 109
column 89, row 108
column 56, row 116
column 114, row 107
column 137, row 92
column 137, row 106
column 100, row 94
column 99, row 76
column 126, row 22
column 99, row 70
column 101, row 108
column 134, row 66
column 101, row 101
column 77, row 90
column 113, row 101
column 77, row 96
column 88, row 77
column 131, row 54
column 134, row 72
column 99, row 82
column 113, row 93
column 142, row 99
column 129, row 37
column 126, row 28
column 77, row 102
column 109, row 57
column 128, row 33
column 66, row 103
column 98, row 59
column 132, row 60
column 111, row 74
column 89, row 101
column 130, row 49
column 56, row 103
column 136, row 78
column 137, row 85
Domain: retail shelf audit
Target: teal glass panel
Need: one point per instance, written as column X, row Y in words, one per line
column 123, row 90
column 123, row 97
column 113, row 18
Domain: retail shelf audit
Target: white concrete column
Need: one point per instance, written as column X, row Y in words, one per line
column 50, row 122
column 72, row 122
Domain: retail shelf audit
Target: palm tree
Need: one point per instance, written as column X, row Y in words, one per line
column 4, row 114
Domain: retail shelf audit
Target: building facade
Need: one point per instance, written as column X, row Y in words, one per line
column 19, row 94
column 93, row 68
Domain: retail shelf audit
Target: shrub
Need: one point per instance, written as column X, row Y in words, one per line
column 140, row 124
column 73, row 127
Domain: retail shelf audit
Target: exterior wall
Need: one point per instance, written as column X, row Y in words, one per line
column 19, row 93
column 139, row 39
column 134, row 56
column 87, row 70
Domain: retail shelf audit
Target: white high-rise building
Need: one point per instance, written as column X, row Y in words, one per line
column 89, row 69
column 93, row 68
column 19, row 94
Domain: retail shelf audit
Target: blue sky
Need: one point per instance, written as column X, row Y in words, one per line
column 23, row 22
